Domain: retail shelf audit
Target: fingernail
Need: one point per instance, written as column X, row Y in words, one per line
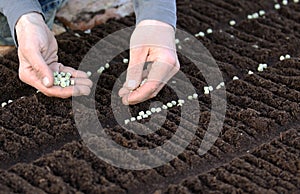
column 46, row 81
column 131, row 84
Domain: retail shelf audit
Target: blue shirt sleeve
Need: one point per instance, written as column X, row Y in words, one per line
column 14, row 9
column 161, row 10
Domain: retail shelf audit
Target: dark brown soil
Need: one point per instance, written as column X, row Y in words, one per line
column 257, row 151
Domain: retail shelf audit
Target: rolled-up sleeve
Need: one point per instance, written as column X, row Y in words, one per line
column 161, row 10
column 14, row 9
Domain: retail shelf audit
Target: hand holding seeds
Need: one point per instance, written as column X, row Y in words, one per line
column 147, row 46
column 38, row 58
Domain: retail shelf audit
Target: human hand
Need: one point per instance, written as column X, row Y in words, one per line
column 152, row 41
column 38, row 59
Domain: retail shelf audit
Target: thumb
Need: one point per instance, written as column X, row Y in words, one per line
column 138, row 57
column 42, row 70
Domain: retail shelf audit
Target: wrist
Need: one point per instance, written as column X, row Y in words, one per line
column 27, row 19
column 154, row 23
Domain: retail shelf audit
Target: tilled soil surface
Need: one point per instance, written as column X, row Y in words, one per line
column 257, row 151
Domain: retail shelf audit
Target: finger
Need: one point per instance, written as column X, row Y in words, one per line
column 82, row 81
column 57, row 91
column 138, row 57
column 159, row 74
column 142, row 93
column 124, row 91
column 41, row 69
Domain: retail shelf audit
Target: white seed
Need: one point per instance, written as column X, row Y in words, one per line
column 141, row 113
column 210, row 88
column 169, row 104
column 255, row 15
column 77, row 35
column 145, row 116
column 158, row 110
column 187, row 39
column 106, row 65
column 177, row 41
column 100, row 70
column 132, row 119
column 164, row 107
column 190, row 97
column 179, row 47
column 195, row 96
column 126, row 121
column 173, row 82
column 88, row 31
column 255, row 46
column 174, row 102
column 250, row 72
column 72, row 82
column 153, row 110
column 63, row 84
column 281, row 58
column 3, row 104
column 209, row 31
column 285, row 2
column 232, row 22
column 143, row 82
column 179, row 104
column 235, row 78
column 262, row 12
column 249, row 17
column 148, row 112
column 37, row 91
column 125, row 60
column 287, row 56
column 218, row 87
column 181, row 101
column 260, row 69
column 296, row 1
column 277, row 6
column 264, row 65
column 206, row 90
column 89, row 73
column 139, row 118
